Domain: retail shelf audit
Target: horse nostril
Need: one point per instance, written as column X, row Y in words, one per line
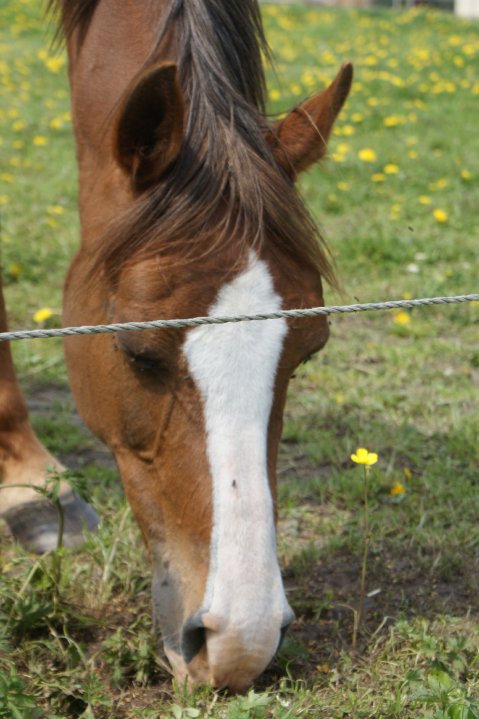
column 192, row 637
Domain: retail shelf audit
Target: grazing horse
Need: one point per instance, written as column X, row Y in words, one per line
column 188, row 207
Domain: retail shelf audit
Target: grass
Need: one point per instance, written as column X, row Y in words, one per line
column 403, row 385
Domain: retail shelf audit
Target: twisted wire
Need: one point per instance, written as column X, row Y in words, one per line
column 196, row 321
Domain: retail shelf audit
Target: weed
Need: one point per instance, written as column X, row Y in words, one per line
column 15, row 703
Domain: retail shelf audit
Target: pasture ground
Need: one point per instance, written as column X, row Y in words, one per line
column 398, row 201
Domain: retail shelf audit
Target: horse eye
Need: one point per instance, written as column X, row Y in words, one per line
column 146, row 363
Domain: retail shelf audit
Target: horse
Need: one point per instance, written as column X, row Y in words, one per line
column 188, row 207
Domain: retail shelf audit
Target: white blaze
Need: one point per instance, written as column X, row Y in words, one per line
column 234, row 367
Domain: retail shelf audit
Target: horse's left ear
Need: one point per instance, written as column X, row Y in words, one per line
column 149, row 129
column 301, row 138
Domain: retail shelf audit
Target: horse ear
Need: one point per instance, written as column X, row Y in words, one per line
column 301, row 138
column 149, row 129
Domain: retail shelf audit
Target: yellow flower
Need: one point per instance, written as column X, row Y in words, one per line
column 55, row 64
column 402, row 318
column 424, row 200
column 367, row 155
column 40, row 140
column 397, row 489
column 15, row 270
column 44, row 313
column 393, row 120
column 440, row 215
column 357, row 117
column 391, row 169
column 56, row 210
column 344, row 186
column 407, row 472
column 378, row 177
column 56, row 123
column 466, row 175
column 439, row 184
column 362, row 456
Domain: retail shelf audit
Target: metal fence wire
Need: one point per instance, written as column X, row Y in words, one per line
column 196, row 321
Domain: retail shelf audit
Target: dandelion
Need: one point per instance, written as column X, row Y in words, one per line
column 439, row 184
column 55, row 64
column 397, row 490
column 393, row 121
column 362, row 456
column 402, row 318
column 378, row 177
column 424, row 200
column 367, row 459
column 391, row 169
column 440, row 216
column 40, row 140
column 367, row 155
column 15, row 270
column 343, row 186
column 466, row 175
column 56, row 123
column 56, row 210
column 43, row 314
column 395, row 211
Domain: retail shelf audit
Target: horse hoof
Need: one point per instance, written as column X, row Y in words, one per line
column 35, row 524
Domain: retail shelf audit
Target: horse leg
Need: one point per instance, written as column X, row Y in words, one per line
column 32, row 519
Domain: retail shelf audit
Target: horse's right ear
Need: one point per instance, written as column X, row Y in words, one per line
column 149, row 129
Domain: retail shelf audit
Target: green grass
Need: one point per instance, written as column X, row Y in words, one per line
column 403, row 386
